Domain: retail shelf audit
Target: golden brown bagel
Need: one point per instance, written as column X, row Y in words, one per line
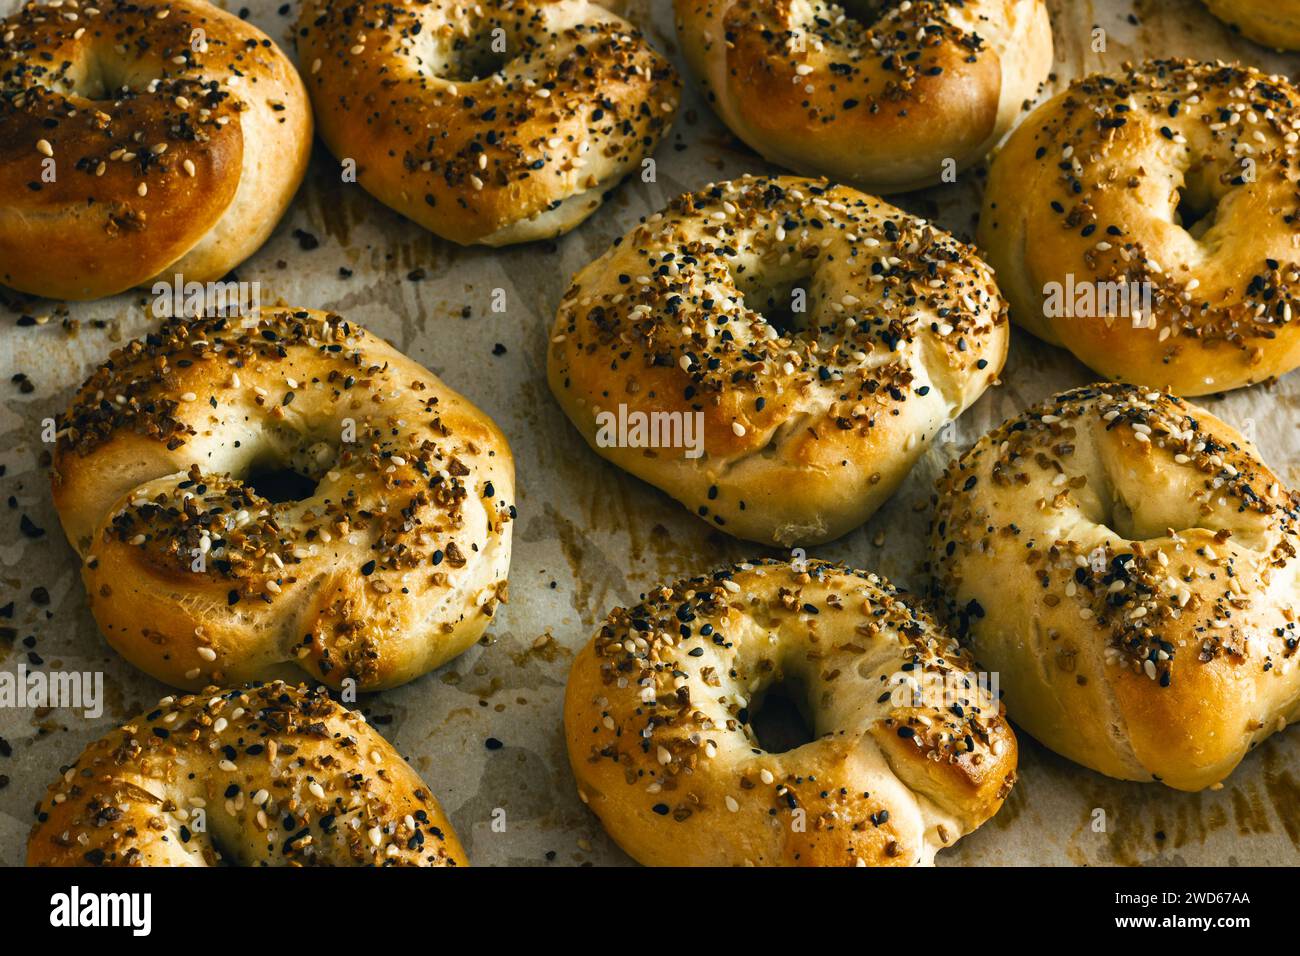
column 391, row 565
column 911, row 751
column 808, row 425
column 1174, row 179
column 273, row 775
column 1129, row 567
column 484, row 145
column 1274, row 23
column 141, row 138
column 881, row 100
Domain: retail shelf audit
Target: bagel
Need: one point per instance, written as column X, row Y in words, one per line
column 1129, row 567
column 658, row 710
column 496, row 122
column 807, row 421
column 1274, row 23
column 273, row 775
column 389, row 560
column 889, row 99
column 141, row 138
column 1169, row 196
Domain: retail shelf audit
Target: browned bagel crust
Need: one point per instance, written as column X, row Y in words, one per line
column 272, row 775
column 880, row 100
column 806, row 431
column 1129, row 566
column 526, row 152
column 393, row 565
column 1274, row 23
column 1087, row 191
column 187, row 171
column 656, row 715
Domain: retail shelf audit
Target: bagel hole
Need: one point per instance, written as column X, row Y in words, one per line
column 1195, row 213
column 778, row 720
column 867, row 12
column 1117, row 515
column 1144, row 526
column 475, row 57
column 292, row 471
column 786, row 309
column 1198, row 203
column 1146, row 520
column 785, row 301
column 280, row 485
column 1125, row 525
column 110, row 77
column 1122, row 523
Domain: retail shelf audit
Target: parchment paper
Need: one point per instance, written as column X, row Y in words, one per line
column 590, row 537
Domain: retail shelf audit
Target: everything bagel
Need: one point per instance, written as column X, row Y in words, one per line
column 273, row 775
column 141, row 138
column 1129, row 567
column 495, row 122
column 882, row 100
column 1274, row 23
column 393, row 561
column 658, row 721
column 1176, row 184
column 808, row 421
